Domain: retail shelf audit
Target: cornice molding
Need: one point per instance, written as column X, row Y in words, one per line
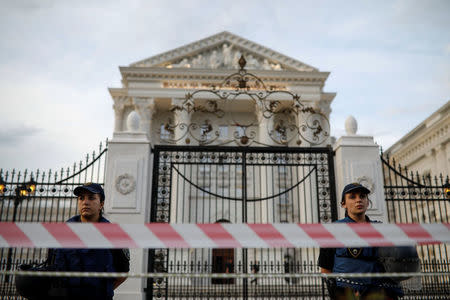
column 161, row 74
column 439, row 116
column 118, row 92
column 418, row 146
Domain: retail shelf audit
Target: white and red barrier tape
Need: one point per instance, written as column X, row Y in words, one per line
column 218, row 235
column 220, row 275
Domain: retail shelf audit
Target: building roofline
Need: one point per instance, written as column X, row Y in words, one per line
column 423, row 125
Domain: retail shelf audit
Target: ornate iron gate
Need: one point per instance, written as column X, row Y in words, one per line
column 41, row 197
column 412, row 198
column 239, row 185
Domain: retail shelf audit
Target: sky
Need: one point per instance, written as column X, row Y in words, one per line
column 389, row 62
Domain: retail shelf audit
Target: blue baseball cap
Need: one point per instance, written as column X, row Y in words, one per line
column 94, row 188
column 351, row 187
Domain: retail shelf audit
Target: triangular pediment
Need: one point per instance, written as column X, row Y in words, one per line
column 222, row 51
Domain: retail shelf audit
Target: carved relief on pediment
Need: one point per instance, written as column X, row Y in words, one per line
column 225, row 56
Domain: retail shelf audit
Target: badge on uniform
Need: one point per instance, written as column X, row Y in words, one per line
column 355, row 252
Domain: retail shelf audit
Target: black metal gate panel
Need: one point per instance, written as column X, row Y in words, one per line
column 239, row 185
column 414, row 198
column 41, row 197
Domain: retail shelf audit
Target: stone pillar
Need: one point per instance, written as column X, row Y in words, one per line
column 358, row 160
column 265, row 126
column 119, row 105
column 128, row 188
column 447, row 157
column 145, row 108
column 182, row 120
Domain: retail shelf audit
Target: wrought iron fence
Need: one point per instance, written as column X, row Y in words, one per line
column 267, row 287
column 414, row 198
column 42, row 197
column 239, row 185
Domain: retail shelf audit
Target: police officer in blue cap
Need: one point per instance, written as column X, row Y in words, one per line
column 356, row 260
column 91, row 199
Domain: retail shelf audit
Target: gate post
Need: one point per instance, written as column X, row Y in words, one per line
column 358, row 160
column 127, row 189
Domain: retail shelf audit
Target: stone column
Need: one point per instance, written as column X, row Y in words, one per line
column 181, row 118
column 446, row 154
column 119, row 105
column 145, row 108
column 265, row 126
column 128, row 188
column 358, row 160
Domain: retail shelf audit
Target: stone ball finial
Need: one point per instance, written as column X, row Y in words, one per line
column 133, row 121
column 351, row 126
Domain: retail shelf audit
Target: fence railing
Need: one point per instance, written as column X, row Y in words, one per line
column 416, row 198
column 42, row 196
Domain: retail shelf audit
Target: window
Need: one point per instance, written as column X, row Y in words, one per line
column 240, row 131
column 165, row 132
column 223, row 132
column 205, row 131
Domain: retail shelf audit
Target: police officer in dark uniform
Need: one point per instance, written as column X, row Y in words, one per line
column 91, row 198
column 356, row 260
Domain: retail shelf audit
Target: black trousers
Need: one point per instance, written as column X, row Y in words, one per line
column 341, row 293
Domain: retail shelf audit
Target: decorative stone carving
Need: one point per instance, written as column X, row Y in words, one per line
column 120, row 102
column 133, row 121
column 145, row 107
column 351, row 126
column 367, row 182
column 125, row 184
column 225, row 57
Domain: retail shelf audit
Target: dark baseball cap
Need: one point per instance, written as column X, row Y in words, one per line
column 94, row 188
column 351, row 187
column 355, row 187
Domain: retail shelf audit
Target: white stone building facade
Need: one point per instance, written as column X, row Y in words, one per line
column 426, row 148
column 183, row 97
